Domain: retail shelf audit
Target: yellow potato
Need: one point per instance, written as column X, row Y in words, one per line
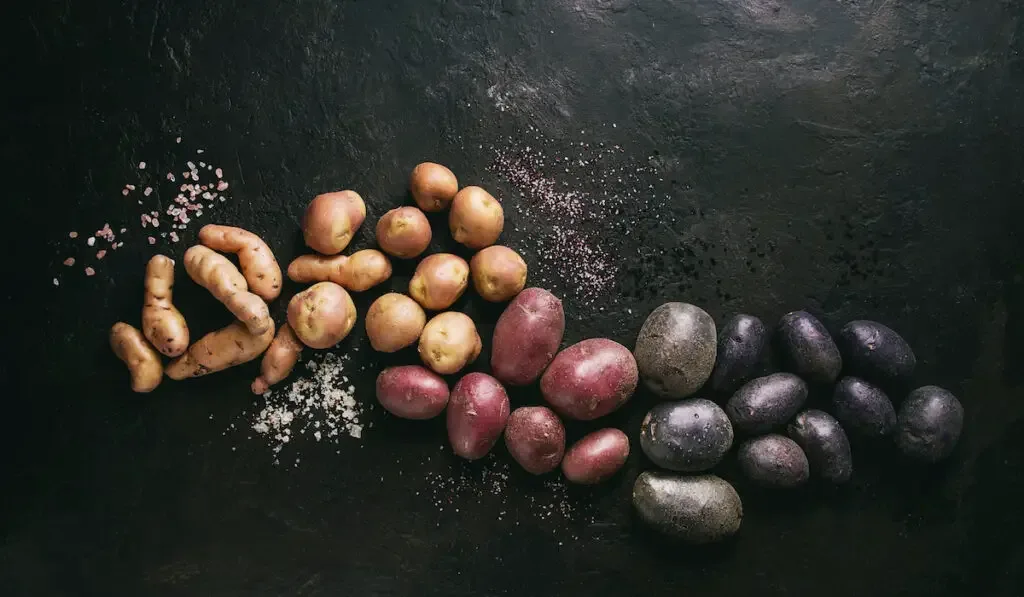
column 142, row 360
column 433, row 186
column 215, row 273
column 404, row 232
column 393, row 322
column 331, row 220
column 162, row 323
column 322, row 315
column 279, row 360
column 476, row 219
column 257, row 261
column 360, row 271
column 439, row 281
column 499, row 273
column 449, row 342
column 219, row 350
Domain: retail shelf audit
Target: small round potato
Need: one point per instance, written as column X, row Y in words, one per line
column 331, row 221
column 449, row 342
column 596, row 457
column 322, row 315
column 439, row 281
column 433, row 186
column 535, row 437
column 404, row 232
column 499, row 273
column 393, row 322
column 412, row 392
column 476, row 219
column 365, row 269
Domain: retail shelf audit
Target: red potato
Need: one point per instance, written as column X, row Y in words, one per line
column 535, row 437
column 590, row 379
column 476, row 219
column 322, row 315
column 439, row 281
column 331, row 220
column 499, row 273
column 433, row 186
column 596, row 457
column 403, row 232
column 527, row 337
column 412, row 392
column 477, row 412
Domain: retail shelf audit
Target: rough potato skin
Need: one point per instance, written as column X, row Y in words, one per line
column 433, row 186
column 259, row 267
column 331, row 220
column 527, row 337
column 279, row 360
column 808, row 348
column 689, row 436
column 404, row 232
column 863, row 408
column 439, row 281
column 356, row 273
column 393, row 322
column 306, row 269
column 741, row 344
column 142, row 360
column 322, row 315
column 477, row 413
column 590, row 379
column 162, row 323
column 596, row 457
column 476, row 219
column 219, row 350
column 535, row 437
column 930, row 422
column 825, row 444
column 217, row 274
column 449, row 342
column 676, row 350
column 774, row 461
column 412, row 392
column 876, row 352
column 699, row 509
column 499, row 273
column 767, row 402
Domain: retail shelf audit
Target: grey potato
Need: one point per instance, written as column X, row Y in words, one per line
column 688, row 436
column 863, row 408
column 876, row 352
column 700, row 509
column 930, row 422
column 825, row 444
column 741, row 343
column 808, row 348
column 676, row 350
column 774, row 461
column 766, row 402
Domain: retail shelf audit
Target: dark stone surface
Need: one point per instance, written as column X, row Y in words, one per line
column 855, row 158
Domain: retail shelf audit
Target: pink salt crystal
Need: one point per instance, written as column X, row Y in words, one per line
column 170, row 177
column 130, row 187
column 90, row 241
column 101, row 254
column 148, row 191
column 124, row 192
column 174, row 236
column 151, row 240
column 89, row 271
column 69, row 261
column 72, row 234
column 222, row 186
column 178, row 140
column 219, row 173
column 142, row 165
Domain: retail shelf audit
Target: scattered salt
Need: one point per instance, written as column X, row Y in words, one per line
column 151, row 240
column 90, row 241
column 142, row 165
column 73, row 234
column 69, row 261
column 101, row 254
column 89, row 271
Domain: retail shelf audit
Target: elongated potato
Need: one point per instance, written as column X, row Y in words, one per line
column 279, row 360
column 259, row 266
column 412, row 392
column 215, row 273
column 322, row 315
column 596, row 457
column 219, row 350
column 590, row 379
column 439, row 281
column 477, row 412
column 331, row 220
column 360, row 271
column 162, row 323
column 143, row 362
column 527, row 336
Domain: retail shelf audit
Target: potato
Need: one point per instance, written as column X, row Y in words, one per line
column 143, row 362
column 930, row 422
column 331, row 220
column 433, row 186
column 766, row 402
column 224, row 348
column 876, row 352
column 825, row 444
column 688, row 436
column 255, row 258
column 403, row 232
column 360, row 271
column 863, row 408
column 477, row 413
column 676, row 350
column 596, row 457
column 741, row 344
column 808, row 348
column 217, row 274
column 527, row 336
column 774, row 461
column 699, row 509
column 590, row 379
column 499, row 273
column 535, row 437
column 412, row 392
column 476, row 219
column 279, row 360
column 393, row 322
column 449, row 342
column 439, row 281
column 322, row 315
column 162, row 322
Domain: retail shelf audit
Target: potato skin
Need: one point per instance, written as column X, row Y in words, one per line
column 774, row 461
column 825, row 444
column 404, row 232
column 412, row 392
column 767, row 402
column 279, row 360
column 322, row 315
column 393, row 322
column 449, row 342
column 439, row 281
column 741, row 344
column 590, row 379
column 162, row 323
column 690, row 436
column 221, row 349
column 257, row 261
column 216, row 273
column 676, row 350
column 364, row 269
column 331, row 220
column 143, row 362
column 808, row 348
column 527, row 337
column 930, row 422
column 476, row 219
column 433, row 186
column 596, row 457
column 876, row 352
column 478, row 410
column 499, row 273
column 863, row 408
column 697, row 509
column 535, row 437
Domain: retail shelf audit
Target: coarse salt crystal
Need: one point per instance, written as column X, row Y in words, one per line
column 125, row 192
column 222, row 186
column 148, row 191
column 151, row 240
column 219, row 173
column 142, row 165
column 123, row 230
column 90, row 241
column 202, row 164
column 101, row 254
column 72, row 234
column 69, row 261
column 89, row 271
column 200, row 151
column 191, row 165
column 130, row 187
column 174, row 236
column 178, row 140
column 56, row 282
column 170, row 177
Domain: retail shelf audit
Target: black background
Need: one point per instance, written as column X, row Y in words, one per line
column 861, row 159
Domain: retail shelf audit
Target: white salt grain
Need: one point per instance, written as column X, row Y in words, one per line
column 90, row 241
column 142, row 165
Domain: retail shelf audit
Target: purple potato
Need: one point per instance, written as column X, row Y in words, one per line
column 825, row 444
column 688, row 436
column 741, row 343
column 808, row 348
column 696, row 509
column 876, row 352
column 676, row 350
column 767, row 402
column 774, row 461
column 930, row 422
column 863, row 408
